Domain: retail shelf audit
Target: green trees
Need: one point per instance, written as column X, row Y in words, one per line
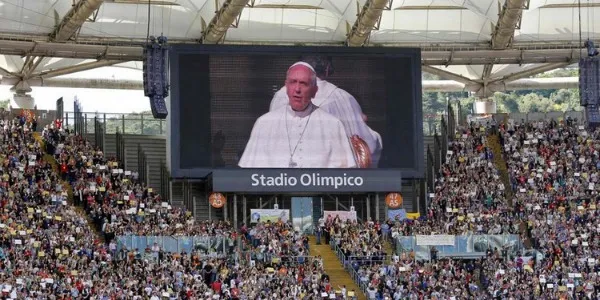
column 134, row 123
column 4, row 103
column 434, row 103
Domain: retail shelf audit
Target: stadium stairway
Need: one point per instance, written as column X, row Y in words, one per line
column 333, row 267
column 493, row 142
column 388, row 249
column 66, row 186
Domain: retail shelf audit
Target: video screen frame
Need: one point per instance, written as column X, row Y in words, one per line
column 174, row 125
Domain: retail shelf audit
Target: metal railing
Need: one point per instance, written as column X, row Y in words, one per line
column 165, row 181
column 60, row 108
column 128, row 123
column 120, row 148
column 430, row 170
column 142, row 164
column 463, row 244
column 348, row 266
column 145, row 124
column 79, row 120
column 177, row 244
column 544, row 116
column 431, row 124
column 270, row 258
column 99, row 134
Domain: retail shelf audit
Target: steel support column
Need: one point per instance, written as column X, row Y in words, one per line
column 504, row 31
column 365, row 22
column 74, row 19
column 449, row 75
column 533, row 54
column 516, row 85
column 78, row 83
column 508, row 21
column 377, row 207
column 428, row 85
column 220, row 23
column 530, row 72
column 76, row 68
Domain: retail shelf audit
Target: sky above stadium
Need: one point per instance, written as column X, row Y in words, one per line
column 93, row 100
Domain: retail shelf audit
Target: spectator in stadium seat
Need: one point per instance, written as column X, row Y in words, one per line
column 298, row 135
column 338, row 103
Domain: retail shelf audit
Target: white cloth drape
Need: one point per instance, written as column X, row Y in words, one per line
column 275, row 135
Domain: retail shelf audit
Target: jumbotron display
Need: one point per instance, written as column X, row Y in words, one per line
column 249, row 109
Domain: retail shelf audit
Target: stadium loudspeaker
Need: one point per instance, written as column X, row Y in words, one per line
column 592, row 114
column 589, row 81
column 155, row 72
column 159, row 107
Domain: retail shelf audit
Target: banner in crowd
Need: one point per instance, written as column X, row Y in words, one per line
column 396, row 214
column 178, row 244
column 435, row 240
column 479, row 119
column 342, row 214
column 413, row 216
column 302, row 213
column 273, row 215
column 462, row 244
column 401, row 214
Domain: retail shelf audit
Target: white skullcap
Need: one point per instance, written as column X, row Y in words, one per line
column 301, row 63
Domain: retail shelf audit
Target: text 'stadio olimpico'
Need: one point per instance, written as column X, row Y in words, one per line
column 306, row 179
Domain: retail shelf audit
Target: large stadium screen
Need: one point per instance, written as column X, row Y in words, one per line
column 279, row 119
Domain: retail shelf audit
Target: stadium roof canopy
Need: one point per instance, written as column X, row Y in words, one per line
column 475, row 42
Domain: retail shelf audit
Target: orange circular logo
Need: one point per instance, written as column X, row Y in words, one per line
column 394, row 200
column 217, row 200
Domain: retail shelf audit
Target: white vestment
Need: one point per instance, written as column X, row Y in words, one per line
column 343, row 106
column 318, row 138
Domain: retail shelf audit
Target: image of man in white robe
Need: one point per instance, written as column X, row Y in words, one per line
column 338, row 103
column 298, row 134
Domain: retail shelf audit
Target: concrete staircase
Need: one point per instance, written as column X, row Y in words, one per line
column 67, row 187
column 389, row 250
column 493, row 142
column 333, row 267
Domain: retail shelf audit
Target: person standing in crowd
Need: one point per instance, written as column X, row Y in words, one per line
column 319, row 232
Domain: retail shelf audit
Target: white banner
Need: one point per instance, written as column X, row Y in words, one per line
column 435, row 240
column 344, row 215
column 273, row 215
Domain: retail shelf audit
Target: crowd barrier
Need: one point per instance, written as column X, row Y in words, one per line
column 132, row 123
column 541, row 116
column 578, row 117
column 348, row 260
column 178, row 244
column 457, row 246
column 251, row 257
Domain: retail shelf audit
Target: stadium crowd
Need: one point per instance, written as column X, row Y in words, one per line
column 469, row 196
column 359, row 241
column 49, row 248
column 49, row 251
column 554, row 175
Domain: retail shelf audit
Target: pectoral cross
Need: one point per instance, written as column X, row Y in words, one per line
column 292, row 164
